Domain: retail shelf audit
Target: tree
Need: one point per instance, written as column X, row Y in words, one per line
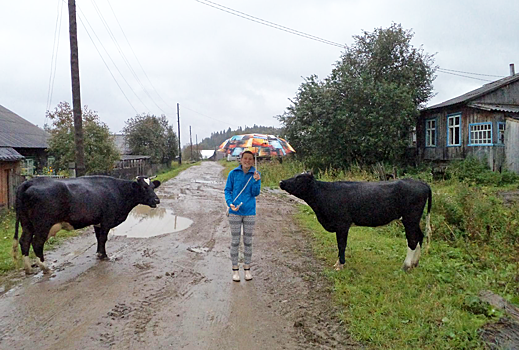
column 152, row 136
column 100, row 151
column 365, row 110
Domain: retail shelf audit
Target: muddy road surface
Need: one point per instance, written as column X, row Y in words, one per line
column 174, row 290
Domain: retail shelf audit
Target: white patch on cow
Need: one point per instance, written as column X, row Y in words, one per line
column 428, row 230
column 147, row 181
column 27, row 264
column 416, row 256
column 412, row 258
column 42, row 265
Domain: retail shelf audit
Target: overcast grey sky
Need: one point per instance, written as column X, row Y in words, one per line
column 226, row 71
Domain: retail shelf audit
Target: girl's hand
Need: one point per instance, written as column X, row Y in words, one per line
column 256, row 176
column 233, row 207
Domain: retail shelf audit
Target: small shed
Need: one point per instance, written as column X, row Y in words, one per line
column 22, row 150
column 483, row 123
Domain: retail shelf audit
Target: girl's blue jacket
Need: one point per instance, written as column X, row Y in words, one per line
column 235, row 183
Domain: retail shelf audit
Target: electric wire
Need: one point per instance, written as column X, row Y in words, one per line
column 136, row 58
column 54, row 57
column 110, row 57
column 267, row 23
column 121, row 52
column 109, row 70
column 461, row 75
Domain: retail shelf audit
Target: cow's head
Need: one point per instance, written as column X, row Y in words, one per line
column 298, row 185
column 145, row 188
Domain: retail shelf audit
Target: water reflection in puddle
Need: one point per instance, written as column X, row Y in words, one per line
column 144, row 221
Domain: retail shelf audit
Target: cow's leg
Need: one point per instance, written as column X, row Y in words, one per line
column 342, row 241
column 37, row 245
column 102, row 237
column 25, row 245
column 414, row 237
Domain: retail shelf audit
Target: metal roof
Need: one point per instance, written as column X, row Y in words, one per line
column 495, row 107
column 19, row 133
column 471, row 95
column 8, row 154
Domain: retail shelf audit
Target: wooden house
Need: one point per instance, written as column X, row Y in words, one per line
column 22, row 150
column 483, row 123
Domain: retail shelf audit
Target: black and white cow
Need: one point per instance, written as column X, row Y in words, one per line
column 338, row 205
column 46, row 205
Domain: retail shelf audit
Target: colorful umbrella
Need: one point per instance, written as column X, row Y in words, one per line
column 259, row 144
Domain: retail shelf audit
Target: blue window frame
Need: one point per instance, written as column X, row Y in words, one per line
column 501, row 127
column 430, row 132
column 454, row 129
column 480, row 134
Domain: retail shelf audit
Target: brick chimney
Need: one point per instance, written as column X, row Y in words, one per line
column 512, row 69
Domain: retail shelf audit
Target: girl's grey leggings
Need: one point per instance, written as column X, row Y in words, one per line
column 236, row 222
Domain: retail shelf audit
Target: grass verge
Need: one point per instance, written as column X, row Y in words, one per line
column 435, row 306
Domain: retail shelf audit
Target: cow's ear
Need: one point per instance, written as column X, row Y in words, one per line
column 310, row 173
column 156, row 183
column 136, row 185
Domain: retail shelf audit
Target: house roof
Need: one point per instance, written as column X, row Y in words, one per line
column 19, row 133
column 474, row 94
column 495, row 107
column 8, row 154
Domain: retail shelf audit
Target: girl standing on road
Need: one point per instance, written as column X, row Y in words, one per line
column 242, row 188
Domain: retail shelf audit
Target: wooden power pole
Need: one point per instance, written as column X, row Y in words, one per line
column 191, row 142
column 76, row 96
column 179, row 147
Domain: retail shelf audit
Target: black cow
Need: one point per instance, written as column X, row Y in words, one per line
column 338, row 205
column 45, row 205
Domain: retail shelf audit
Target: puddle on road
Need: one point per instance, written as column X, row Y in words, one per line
column 143, row 222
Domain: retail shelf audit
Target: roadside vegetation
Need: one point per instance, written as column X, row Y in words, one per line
column 8, row 221
column 475, row 240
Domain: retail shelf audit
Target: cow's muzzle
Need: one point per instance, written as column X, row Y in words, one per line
column 282, row 184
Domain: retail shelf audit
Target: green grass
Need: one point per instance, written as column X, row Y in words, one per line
column 435, row 306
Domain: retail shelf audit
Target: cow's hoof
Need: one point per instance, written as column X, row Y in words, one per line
column 338, row 266
column 102, row 256
column 30, row 272
column 407, row 268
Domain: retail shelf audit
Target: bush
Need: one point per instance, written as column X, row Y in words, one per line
column 474, row 171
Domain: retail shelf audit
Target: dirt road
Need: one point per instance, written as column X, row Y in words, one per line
column 175, row 291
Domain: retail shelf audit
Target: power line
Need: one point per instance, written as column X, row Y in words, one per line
column 110, row 57
column 54, row 57
column 107, row 67
column 458, row 71
column 461, row 75
column 267, row 23
column 136, row 58
column 121, row 52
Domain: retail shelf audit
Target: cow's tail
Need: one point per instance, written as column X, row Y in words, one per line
column 15, row 239
column 18, row 208
column 428, row 230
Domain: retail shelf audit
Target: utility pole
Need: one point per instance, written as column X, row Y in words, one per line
column 76, row 96
column 179, row 147
column 191, row 142
column 196, row 143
